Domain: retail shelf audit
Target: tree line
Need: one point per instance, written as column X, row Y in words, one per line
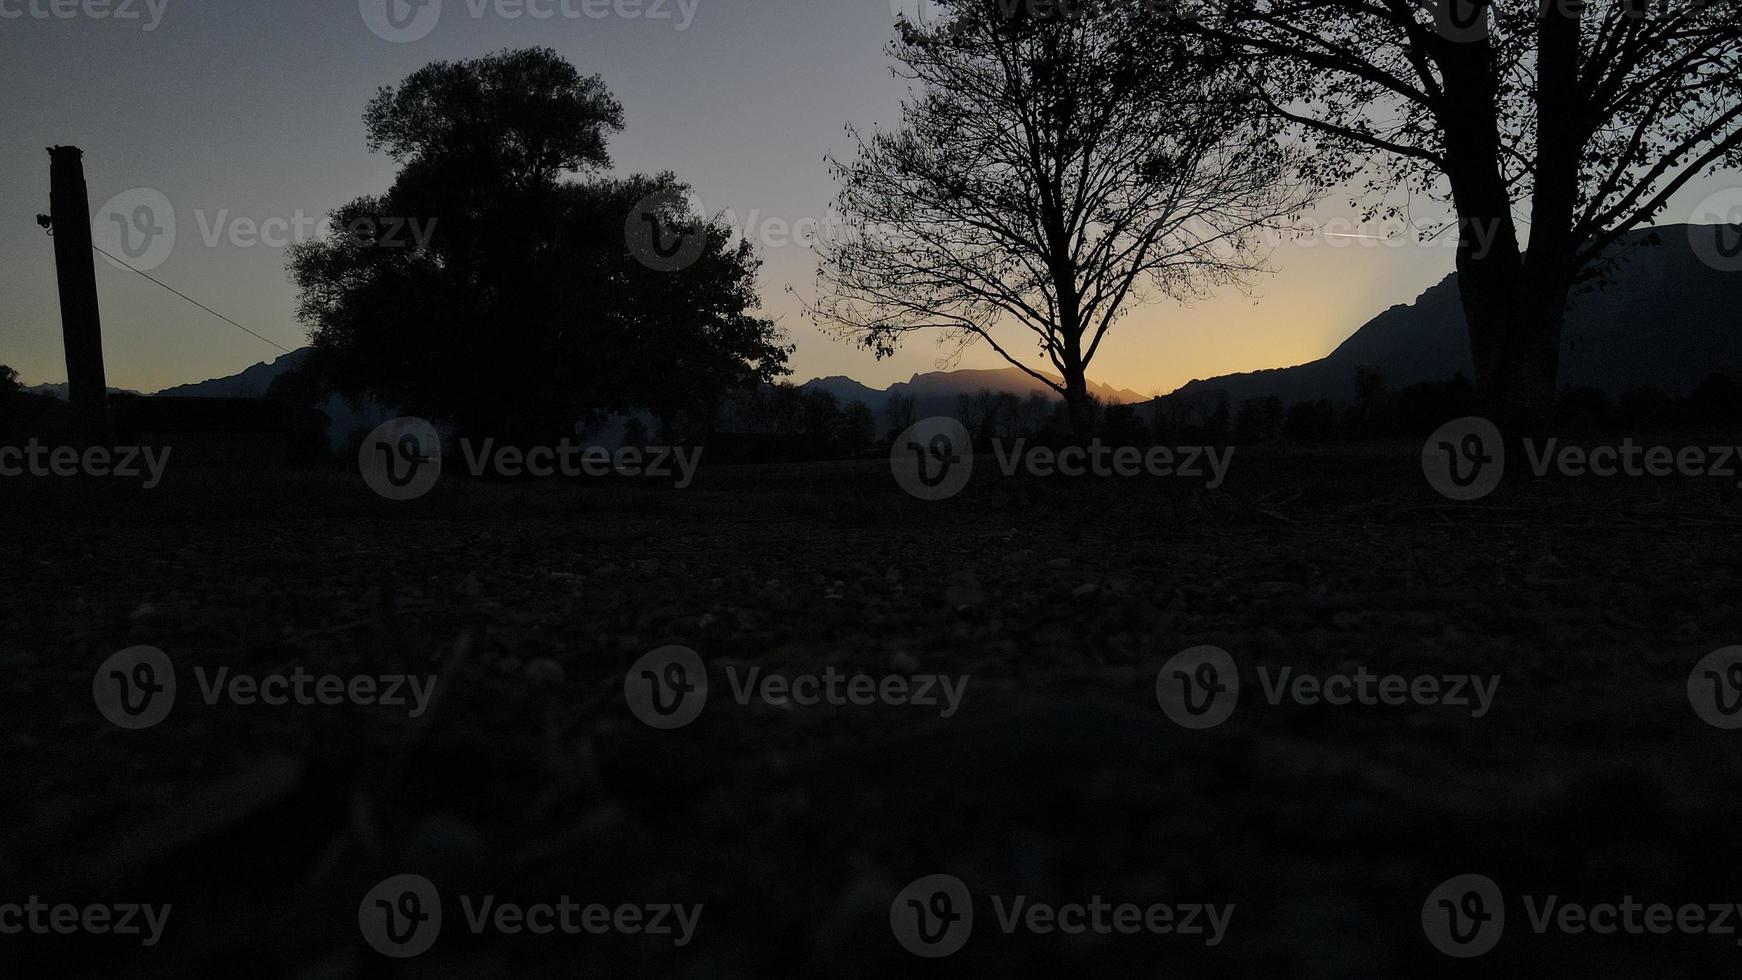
column 1054, row 167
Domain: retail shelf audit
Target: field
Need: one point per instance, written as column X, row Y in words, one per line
column 1060, row 778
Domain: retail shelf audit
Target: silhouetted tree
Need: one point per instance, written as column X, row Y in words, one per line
column 1258, row 420
column 898, row 413
column 1582, row 118
column 523, row 308
column 1053, row 169
column 858, row 428
column 1120, row 426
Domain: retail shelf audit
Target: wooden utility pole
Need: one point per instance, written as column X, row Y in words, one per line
column 75, row 267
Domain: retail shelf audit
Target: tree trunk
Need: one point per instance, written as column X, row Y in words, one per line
column 1515, row 323
column 1513, row 307
column 1078, row 404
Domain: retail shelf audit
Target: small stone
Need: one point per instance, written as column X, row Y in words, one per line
column 903, row 662
column 1085, row 590
column 470, row 585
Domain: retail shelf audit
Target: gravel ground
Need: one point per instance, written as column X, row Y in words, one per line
column 1058, row 777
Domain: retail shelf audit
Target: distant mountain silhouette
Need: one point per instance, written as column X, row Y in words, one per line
column 1667, row 320
column 251, row 383
column 935, row 392
column 60, row 390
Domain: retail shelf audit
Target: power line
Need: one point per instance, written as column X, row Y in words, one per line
column 190, row 299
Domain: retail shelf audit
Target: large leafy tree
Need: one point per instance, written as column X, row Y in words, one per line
column 1573, row 120
column 1054, row 167
column 493, row 286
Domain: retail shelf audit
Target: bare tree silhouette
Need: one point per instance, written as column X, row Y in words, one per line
column 1576, row 118
column 1050, row 167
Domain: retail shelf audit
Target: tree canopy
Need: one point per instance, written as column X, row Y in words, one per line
column 522, row 307
column 1052, row 170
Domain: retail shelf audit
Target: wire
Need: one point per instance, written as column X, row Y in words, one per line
column 190, row 299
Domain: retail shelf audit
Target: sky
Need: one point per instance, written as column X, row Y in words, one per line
column 242, row 120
